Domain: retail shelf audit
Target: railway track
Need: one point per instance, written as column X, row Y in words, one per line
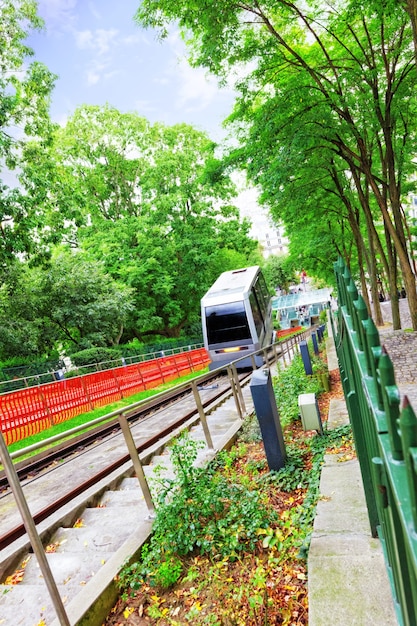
column 90, row 443
column 102, row 517
column 32, row 466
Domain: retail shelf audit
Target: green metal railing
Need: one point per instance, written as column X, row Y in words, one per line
column 385, row 438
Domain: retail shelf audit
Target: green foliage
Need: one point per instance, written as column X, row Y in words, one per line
column 319, row 118
column 84, row 305
column 288, row 385
column 198, row 511
column 279, row 271
column 295, row 528
column 293, row 475
column 25, row 89
column 150, row 203
column 96, row 355
column 250, row 431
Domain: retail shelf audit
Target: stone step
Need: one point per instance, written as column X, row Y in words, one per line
column 87, row 555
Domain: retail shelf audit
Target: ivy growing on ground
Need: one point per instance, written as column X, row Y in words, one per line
column 235, row 511
column 289, row 384
column 200, row 510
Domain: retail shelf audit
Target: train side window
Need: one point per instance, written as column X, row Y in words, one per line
column 257, row 315
column 262, row 295
column 264, row 290
column 227, row 322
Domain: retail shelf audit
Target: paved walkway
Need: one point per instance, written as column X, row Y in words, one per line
column 348, row 582
column 401, row 346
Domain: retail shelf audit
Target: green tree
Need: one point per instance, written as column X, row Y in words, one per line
column 24, row 103
column 152, row 203
column 345, row 74
column 23, row 332
column 279, row 271
column 67, row 305
column 82, row 304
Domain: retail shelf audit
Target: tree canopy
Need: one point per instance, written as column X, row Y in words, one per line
column 25, row 89
column 151, row 202
column 325, row 116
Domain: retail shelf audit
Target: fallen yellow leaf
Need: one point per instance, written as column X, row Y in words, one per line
column 17, row 576
column 79, row 523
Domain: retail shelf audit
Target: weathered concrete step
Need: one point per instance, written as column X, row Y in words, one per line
column 70, row 570
column 88, row 539
column 28, row 602
column 91, row 552
column 126, row 497
column 23, row 605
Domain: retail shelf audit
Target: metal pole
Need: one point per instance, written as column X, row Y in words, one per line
column 238, row 387
column 34, row 538
column 203, row 418
column 137, row 463
column 233, row 387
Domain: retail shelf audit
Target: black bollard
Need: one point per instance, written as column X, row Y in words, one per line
column 305, row 355
column 315, row 343
column 268, row 418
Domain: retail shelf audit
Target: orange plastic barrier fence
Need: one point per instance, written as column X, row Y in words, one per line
column 29, row 411
column 288, row 331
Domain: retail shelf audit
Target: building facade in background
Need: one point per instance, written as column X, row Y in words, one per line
column 271, row 237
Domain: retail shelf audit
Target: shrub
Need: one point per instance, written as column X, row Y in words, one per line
column 96, row 355
column 199, row 510
column 288, row 385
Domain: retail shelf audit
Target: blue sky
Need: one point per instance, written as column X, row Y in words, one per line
column 101, row 56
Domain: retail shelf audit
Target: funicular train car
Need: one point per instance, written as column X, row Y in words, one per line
column 236, row 317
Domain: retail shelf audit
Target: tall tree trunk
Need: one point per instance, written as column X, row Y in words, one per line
column 397, row 241
column 392, row 277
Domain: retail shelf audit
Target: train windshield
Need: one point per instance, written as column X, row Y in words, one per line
column 227, row 322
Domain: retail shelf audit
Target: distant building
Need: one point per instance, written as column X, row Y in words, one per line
column 271, row 238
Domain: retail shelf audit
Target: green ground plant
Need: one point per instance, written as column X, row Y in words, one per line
column 288, row 385
column 199, row 510
column 226, row 535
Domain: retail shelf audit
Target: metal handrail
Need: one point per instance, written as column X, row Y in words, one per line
column 10, row 470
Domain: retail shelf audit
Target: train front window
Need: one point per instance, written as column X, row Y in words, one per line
column 227, row 322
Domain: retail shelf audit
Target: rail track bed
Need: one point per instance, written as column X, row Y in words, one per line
column 91, row 514
column 91, row 506
column 32, row 466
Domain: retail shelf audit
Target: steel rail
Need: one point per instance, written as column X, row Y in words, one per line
column 270, row 355
column 33, row 465
column 18, row 531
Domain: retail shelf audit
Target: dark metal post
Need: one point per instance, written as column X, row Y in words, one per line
column 315, row 344
column 306, row 357
column 267, row 414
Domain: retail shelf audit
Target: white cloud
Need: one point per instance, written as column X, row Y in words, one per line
column 94, row 11
column 100, row 40
column 58, row 14
column 83, row 39
column 133, row 40
column 93, row 77
column 144, row 106
column 98, row 70
column 196, row 89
